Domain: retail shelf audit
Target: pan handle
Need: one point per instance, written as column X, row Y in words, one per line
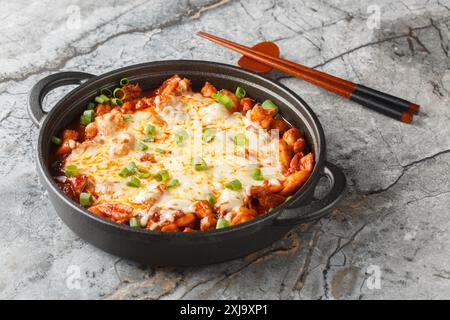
column 47, row 84
column 338, row 186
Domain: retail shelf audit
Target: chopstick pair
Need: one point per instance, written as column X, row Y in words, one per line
column 381, row 102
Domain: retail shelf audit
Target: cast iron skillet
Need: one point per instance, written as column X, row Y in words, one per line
column 182, row 249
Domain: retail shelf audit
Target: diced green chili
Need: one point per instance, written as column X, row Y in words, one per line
column 211, row 199
column 240, row 139
column 141, row 146
column 180, row 136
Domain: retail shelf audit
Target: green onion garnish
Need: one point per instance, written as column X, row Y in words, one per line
column 240, row 139
column 56, row 140
column 161, row 151
column 257, row 174
column 180, row 136
column 211, row 199
column 142, row 146
column 71, row 171
column 150, row 131
column 162, row 175
column 124, row 173
column 132, row 167
column 127, row 117
column 124, row 81
column 133, row 182
column 234, row 185
column 119, row 93
column 101, row 99
column 208, row 134
column 199, row 164
column 87, row 117
column 85, row 199
column 268, row 104
column 105, row 92
column 144, row 174
column 91, row 106
column 173, row 183
column 117, row 102
column 222, row 223
column 223, row 99
column 240, row 92
column 134, row 222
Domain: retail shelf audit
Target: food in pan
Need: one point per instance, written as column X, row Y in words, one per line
column 173, row 159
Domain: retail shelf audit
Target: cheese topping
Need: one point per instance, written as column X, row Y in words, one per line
column 186, row 126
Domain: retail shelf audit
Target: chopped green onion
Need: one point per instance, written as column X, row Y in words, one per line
column 85, row 199
column 127, row 117
column 234, row 185
column 223, row 99
column 142, row 146
column 173, row 183
column 101, row 99
column 119, row 93
column 144, row 174
column 161, row 151
column 87, row 117
column 71, row 171
column 132, row 167
column 91, row 106
column 134, row 222
column 257, row 174
column 208, row 134
column 117, row 102
column 268, row 104
column 105, row 92
column 162, row 175
column 150, row 131
column 240, row 139
column 180, row 136
column 55, row 163
column 124, row 173
column 199, row 164
column 124, row 81
column 211, row 199
column 222, row 223
column 133, row 182
column 56, row 140
column 240, row 92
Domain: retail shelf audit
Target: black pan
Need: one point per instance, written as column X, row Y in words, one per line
column 178, row 248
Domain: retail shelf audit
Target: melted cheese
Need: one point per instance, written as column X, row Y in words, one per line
column 102, row 158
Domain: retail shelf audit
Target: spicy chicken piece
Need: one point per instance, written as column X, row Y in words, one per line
column 246, row 104
column 263, row 117
column 261, row 199
column 244, row 215
column 280, row 125
column 294, row 181
column 132, row 91
column 118, row 212
column 208, row 89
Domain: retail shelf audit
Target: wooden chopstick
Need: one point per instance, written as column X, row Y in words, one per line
column 389, row 105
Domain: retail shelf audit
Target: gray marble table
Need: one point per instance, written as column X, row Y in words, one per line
column 389, row 237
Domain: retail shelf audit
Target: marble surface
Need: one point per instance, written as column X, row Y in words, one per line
column 388, row 238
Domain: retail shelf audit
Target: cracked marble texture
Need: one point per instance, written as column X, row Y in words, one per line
column 394, row 219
